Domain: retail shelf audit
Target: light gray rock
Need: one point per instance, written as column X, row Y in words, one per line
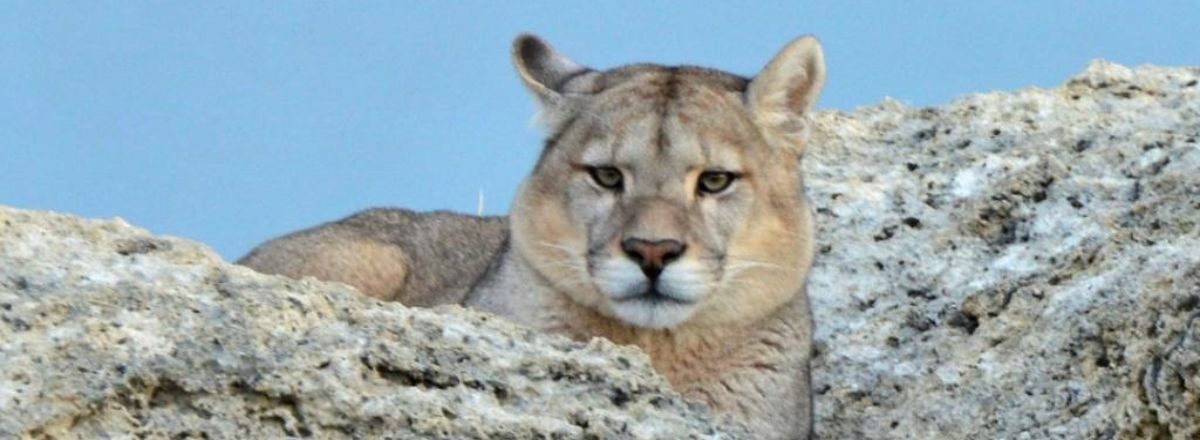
column 1012, row 265
column 108, row 331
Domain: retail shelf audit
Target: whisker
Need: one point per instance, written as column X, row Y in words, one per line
column 737, row 262
column 565, row 264
column 735, row 269
column 576, row 283
column 738, row 282
column 557, row 246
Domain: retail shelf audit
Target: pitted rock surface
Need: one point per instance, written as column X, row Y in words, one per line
column 107, row 331
column 1017, row 265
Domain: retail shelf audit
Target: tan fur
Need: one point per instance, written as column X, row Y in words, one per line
column 721, row 309
column 374, row 251
column 375, row 269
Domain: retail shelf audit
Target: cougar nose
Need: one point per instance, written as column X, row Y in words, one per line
column 652, row 255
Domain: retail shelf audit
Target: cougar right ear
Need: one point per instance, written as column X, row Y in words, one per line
column 788, row 88
column 544, row 71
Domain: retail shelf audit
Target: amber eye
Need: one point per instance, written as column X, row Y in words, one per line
column 712, row 182
column 607, row 177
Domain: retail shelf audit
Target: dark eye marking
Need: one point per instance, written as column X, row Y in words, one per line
column 607, row 177
column 715, row 181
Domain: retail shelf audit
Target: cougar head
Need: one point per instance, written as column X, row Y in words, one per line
column 669, row 196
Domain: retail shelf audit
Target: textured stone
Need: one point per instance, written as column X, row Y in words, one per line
column 1012, row 265
column 1017, row 265
column 107, row 331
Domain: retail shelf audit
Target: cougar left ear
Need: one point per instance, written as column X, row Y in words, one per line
column 544, row 71
column 789, row 86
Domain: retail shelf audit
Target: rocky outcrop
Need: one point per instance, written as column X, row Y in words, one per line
column 1011, row 265
column 107, row 331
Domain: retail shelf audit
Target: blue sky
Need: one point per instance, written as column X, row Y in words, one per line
column 231, row 122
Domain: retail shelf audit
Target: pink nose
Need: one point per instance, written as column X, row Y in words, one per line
column 652, row 256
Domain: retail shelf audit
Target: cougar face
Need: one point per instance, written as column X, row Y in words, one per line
column 668, row 195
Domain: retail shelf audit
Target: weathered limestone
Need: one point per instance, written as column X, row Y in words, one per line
column 1012, row 265
column 106, row 330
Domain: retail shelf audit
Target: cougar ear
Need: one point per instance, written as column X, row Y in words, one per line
column 789, row 86
column 544, row 71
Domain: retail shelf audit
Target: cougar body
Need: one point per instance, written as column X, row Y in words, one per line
column 667, row 211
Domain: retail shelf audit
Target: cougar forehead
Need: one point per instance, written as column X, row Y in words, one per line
column 662, row 128
column 645, row 111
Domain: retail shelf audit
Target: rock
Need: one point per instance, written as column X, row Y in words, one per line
column 1012, row 265
column 108, row 331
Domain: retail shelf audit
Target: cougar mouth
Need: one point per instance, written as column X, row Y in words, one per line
column 653, row 296
column 664, row 302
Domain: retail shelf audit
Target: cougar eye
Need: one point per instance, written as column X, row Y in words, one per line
column 607, row 177
column 712, row 182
